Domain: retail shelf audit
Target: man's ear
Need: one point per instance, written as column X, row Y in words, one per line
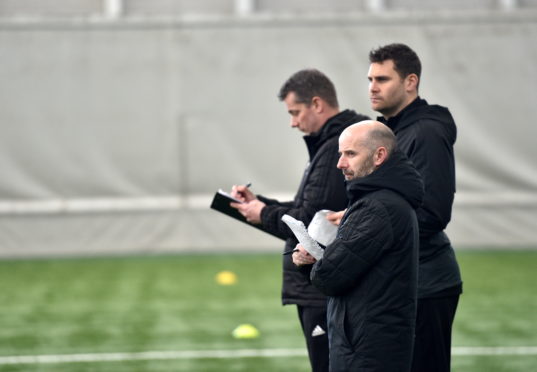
column 380, row 156
column 318, row 104
column 411, row 82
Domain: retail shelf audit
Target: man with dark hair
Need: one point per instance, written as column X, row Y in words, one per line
column 370, row 271
column 312, row 103
column 306, row 84
column 426, row 133
column 406, row 61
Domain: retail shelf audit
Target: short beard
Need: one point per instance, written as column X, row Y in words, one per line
column 365, row 170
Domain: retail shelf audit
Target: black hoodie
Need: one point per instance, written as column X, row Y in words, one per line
column 426, row 134
column 370, row 271
column 322, row 187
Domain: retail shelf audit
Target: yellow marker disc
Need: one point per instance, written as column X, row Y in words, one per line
column 226, row 278
column 245, row 331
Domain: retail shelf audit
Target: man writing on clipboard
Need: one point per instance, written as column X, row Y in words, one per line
column 311, row 101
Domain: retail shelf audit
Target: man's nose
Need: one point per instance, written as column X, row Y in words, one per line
column 341, row 163
column 294, row 123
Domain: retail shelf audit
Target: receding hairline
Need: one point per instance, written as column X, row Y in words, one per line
column 376, row 134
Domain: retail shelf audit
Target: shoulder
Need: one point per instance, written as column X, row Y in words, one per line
column 368, row 216
column 429, row 122
column 360, row 117
column 328, row 146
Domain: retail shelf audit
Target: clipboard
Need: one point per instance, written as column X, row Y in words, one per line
column 221, row 202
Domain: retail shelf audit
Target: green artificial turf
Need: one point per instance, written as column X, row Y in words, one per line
column 497, row 309
column 173, row 303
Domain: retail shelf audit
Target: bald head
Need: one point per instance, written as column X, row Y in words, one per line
column 363, row 147
column 372, row 134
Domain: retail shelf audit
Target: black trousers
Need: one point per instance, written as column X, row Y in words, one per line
column 313, row 321
column 432, row 346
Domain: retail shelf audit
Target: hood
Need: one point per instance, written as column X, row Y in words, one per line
column 421, row 110
column 397, row 174
column 333, row 127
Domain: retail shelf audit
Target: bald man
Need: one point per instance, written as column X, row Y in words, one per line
column 369, row 273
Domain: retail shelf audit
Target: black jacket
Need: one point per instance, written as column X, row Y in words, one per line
column 426, row 134
column 370, row 272
column 322, row 187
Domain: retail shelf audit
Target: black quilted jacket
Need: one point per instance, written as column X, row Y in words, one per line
column 370, row 272
column 322, row 187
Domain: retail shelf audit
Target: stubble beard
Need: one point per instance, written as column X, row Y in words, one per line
column 365, row 170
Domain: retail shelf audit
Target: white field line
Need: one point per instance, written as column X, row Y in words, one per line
column 498, row 350
column 151, row 355
column 229, row 354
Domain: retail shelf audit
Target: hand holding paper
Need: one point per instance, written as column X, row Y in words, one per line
column 335, row 217
column 301, row 257
column 303, row 237
column 321, row 229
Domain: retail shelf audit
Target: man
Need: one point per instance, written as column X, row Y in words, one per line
column 426, row 134
column 370, row 271
column 311, row 101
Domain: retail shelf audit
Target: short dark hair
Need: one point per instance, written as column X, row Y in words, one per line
column 382, row 136
column 405, row 60
column 309, row 83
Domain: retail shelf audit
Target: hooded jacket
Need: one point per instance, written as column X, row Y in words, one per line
column 322, row 187
column 370, row 271
column 426, row 134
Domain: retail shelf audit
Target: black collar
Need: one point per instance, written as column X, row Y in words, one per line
column 394, row 120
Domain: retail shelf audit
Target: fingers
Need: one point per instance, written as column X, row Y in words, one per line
column 302, row 257
column 241, row 207
column 251, row 210
column 296, row 259
column 238, row 192
column 242, row 193
column 335, row 218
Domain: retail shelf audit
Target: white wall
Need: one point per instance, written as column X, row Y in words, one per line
column 115, row 134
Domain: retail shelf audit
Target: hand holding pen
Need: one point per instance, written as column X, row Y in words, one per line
column 250, row 207
column 243, row 193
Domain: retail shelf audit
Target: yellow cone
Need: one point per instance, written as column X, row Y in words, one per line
column 245, row 331
column 226, row 278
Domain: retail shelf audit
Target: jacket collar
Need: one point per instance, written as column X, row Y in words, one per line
column 397, row 174
column 395, row 122
column 331, row 128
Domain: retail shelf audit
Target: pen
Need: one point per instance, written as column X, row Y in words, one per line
column 290, row 252
column 248, row 185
